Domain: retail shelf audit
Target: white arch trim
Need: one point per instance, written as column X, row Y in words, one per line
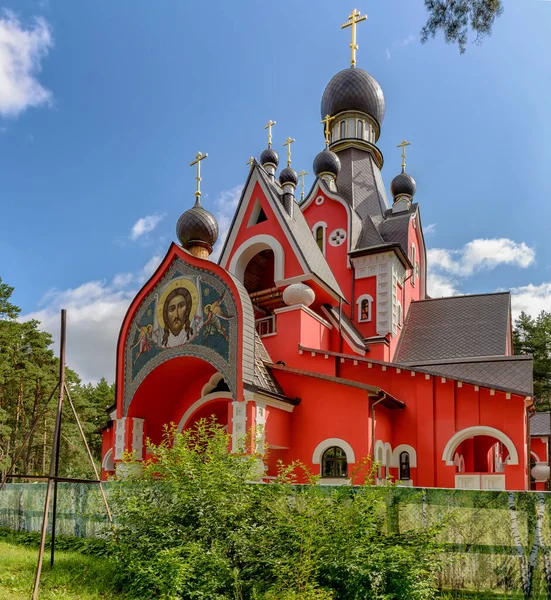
column 249, row 248
column 211, row 383
column 198, row 403
column 535, row 456
column 322, row 447
column 469, row 432
column 323, row 225
column 404, row 448
column 108, row 464
column 359, row 305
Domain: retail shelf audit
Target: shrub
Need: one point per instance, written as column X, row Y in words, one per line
column 193, row 526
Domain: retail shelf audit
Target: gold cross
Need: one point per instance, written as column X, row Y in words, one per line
column 353, row 19
column 403, row 146
column 327, row 120
column 250, row 161
column 198, row 158
column 269, row 128
column 288, row 143
column 302, row 174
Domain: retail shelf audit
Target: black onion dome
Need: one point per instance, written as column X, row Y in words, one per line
column 288, row 175
column 327, row 162
column 403, row 184
column 353, row 89
column 197, row 225
column 269, row 156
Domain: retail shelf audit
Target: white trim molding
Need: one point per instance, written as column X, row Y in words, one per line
column 328, row 443
column 250, row 248
column 108, row 464
column 213, row 381
column 323, row 225
column 197, row 405
column 395, row 463
column 532, row 454
column 359, row 301
column 469, row 432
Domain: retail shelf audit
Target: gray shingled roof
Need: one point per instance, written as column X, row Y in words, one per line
column 262, row 376
column 510, row 372
column 540, row 424
column 360, row 184
column 455, row 327
column 299, row 230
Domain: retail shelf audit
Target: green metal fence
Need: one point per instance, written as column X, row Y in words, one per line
column 497, row 541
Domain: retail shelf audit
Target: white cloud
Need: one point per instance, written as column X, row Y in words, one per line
column 531, row 299
column 225, row 204
column 387, row 53
column 429, row 229
column 151, row 266
column 479, row 255
column 145, row 225
column 410, row 39
column 440, row 285
column 21, row 52
column 95, row 311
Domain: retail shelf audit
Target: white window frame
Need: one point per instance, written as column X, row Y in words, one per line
column 399, row 314
column 323, row 225
column 413, row 262
column 359, row 305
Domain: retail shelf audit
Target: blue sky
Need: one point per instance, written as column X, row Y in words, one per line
column 110, row 101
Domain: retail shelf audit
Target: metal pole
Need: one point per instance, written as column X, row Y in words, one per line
column 51, row 475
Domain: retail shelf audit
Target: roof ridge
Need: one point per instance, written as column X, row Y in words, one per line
column 508, row 293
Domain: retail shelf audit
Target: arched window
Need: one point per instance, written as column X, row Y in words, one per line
column 319, row 237
column 399, row 315
column 404, row 466
column 360, row 133
column 334, row 463
column 342, row 133
column 365, row 310
column 414, row 263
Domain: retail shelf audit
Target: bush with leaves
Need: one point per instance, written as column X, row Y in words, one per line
column 192, row 525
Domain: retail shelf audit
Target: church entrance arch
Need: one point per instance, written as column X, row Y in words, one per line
column 480, row 455
column 170, row 390
column 215, row 404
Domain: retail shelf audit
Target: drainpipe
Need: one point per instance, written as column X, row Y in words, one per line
column 373, row 426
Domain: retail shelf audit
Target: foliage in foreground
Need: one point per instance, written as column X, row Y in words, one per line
column 193, row 526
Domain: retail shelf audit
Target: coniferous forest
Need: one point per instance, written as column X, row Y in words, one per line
column 29, row 371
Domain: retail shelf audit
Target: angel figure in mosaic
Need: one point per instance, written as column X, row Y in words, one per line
column 214, row 312
column 145, row 340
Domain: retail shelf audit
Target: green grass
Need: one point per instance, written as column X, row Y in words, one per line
column 74, row 576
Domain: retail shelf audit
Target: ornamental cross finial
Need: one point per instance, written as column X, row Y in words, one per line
column 250, row 161
column 353, row 19
column 269, row 128
column 403, row 146
column 198, row 158
column 288, row 143
column 326, row 121
column 302, row 174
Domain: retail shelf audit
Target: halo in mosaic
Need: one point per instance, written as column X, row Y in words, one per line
column 190, row 312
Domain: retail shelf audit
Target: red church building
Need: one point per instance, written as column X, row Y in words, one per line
column 315, row 332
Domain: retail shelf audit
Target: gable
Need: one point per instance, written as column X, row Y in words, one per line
column 289, row 237
column 189, row 308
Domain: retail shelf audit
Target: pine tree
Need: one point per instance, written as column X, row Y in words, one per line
column 533, row 336
column 455, row 17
